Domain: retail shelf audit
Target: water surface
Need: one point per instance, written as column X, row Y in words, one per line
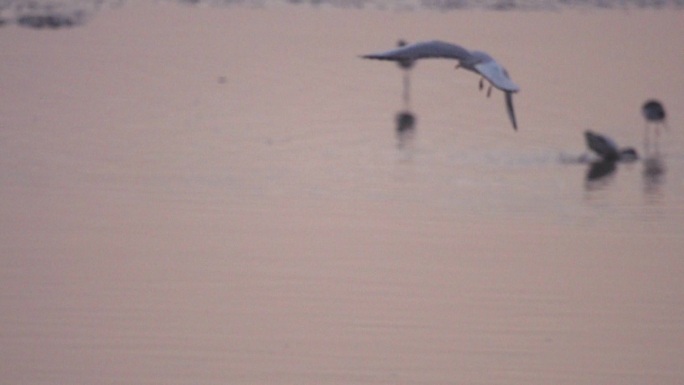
column 219, row 195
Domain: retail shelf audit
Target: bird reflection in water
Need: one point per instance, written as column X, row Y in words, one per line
column 653, row 172
column 600, row 169
column 405, row 125
column 405, row 121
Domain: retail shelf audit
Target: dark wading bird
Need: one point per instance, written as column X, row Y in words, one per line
column 654, row 167
column 607, row 149
column 476, row 61
column 654, row 113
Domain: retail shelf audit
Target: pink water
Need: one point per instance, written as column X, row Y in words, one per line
column 219, row 196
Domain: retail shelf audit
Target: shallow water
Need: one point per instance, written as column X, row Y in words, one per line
column 203, row 195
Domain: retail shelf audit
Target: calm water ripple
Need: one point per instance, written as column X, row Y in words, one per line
column 219, row 195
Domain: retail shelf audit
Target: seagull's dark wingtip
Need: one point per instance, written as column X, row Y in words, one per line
column 509, row 109
column 375, row 57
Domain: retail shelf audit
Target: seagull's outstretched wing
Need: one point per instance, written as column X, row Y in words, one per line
column 497, row 75
column 475, row 61
column 424, row 50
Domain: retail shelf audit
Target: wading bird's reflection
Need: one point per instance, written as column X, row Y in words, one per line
column 405, row 120
column 600, row 169
column 653, row 172
column 405, row 125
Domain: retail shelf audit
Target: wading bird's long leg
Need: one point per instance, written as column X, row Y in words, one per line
column 407, row 89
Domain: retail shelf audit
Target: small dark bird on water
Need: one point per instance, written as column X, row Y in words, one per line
column 607, row 149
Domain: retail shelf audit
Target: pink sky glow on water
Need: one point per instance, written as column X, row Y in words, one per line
column 219, row 196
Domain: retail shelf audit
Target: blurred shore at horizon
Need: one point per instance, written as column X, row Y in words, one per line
column 54, row 14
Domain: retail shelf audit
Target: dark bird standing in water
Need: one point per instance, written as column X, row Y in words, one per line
column 655, row 116
column 607, row 149
column 653, row 112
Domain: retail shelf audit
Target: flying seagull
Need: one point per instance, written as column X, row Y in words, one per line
column 475, row 61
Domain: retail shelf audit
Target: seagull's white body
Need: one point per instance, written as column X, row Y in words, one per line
column 475, row 61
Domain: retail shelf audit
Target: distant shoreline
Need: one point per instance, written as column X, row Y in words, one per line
column 58, row 14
